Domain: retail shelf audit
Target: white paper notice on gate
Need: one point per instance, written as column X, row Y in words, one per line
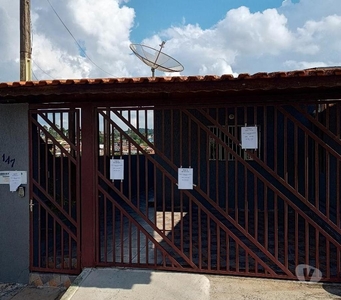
column 185, row 179
column 14, row 180
column 116, row 169
column 249, row 137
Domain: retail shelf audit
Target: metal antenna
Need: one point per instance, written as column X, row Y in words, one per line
column 156, row 59
column 162, row 45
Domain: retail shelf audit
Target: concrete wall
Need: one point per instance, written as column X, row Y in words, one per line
column 14, row 211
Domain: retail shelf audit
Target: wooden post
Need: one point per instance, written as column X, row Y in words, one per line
column 25, row 41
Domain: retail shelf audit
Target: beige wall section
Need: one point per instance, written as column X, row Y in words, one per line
column 14, row 211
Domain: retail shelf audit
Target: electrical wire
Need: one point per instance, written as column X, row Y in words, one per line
column 80, row 47
column 42, row 69
column 34, row 75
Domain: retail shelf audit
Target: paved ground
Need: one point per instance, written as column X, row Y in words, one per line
column 145, row 284
column 138, row 284
column 237, row 288
column 24, row 292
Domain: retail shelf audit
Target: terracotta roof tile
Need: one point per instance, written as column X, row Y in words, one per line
column 141, row 80
column 178, row 79
column 110, row 81
column 192, row 78
column 41, row 83
column 260, row 75
column 211, row 78
column 316, row 72
column 158, row 79
column 227, row 77
column 244, row 76
column 313, row 72
column 28, row 83
column 56, row 82
column 278, row 75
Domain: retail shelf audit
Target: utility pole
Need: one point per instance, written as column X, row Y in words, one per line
column 25, row 41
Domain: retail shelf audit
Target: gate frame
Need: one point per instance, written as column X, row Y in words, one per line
column 294, row 89
column 277, row 107
column 32, row 110
column 88, row 191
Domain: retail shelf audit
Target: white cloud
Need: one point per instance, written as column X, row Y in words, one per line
column 294, row 65
column 106, row 22
column 9, row 46
column 262, row 33
column 57, row 62
column 193, row 48
column 294, row 36
column 100, row 27
column 320, row 37
column 309, row 10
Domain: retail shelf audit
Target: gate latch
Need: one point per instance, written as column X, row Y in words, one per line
column 31, row 205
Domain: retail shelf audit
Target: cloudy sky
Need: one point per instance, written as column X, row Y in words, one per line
column 208, row 37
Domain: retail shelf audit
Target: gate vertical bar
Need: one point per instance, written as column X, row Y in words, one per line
column 88, row 119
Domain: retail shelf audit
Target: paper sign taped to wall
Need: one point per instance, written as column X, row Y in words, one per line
column 249, row 137
column 185, row 179
column 14, row 180
column 116, row 169
column 5, row 177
